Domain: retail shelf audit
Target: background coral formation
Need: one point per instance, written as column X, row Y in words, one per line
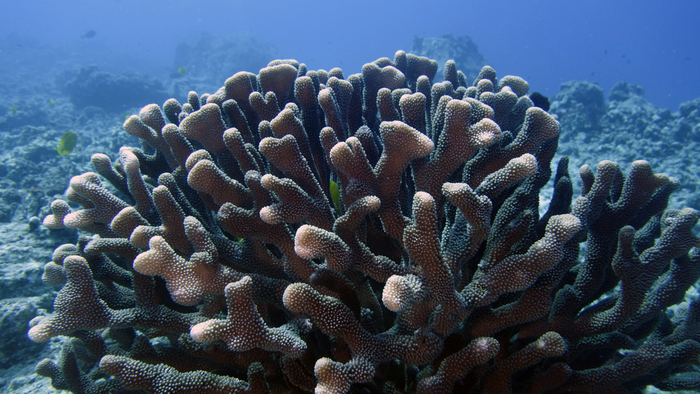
column 462, row 50
column 219, row 261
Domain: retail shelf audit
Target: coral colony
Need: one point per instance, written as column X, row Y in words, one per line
column 222, row 261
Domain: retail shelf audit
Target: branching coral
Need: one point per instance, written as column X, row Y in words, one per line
column 224, row 262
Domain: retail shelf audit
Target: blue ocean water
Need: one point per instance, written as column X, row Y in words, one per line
column 649, row 43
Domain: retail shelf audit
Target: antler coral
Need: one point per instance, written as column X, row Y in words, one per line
column 376, row 232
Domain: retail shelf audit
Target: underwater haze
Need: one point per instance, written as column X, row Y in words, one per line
column 343, row 197
column 649, row 43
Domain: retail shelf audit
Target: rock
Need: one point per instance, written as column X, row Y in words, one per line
column 462, row 50
column 15, row 346
column 622, row 91
column 580, row 105
column 89, row 86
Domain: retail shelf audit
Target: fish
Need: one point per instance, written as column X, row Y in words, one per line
column 335, row 196
column 89, row 34
column 51, row 103
column 67, row 143
column 182, row 71
column 540, row 100
column 13, row 109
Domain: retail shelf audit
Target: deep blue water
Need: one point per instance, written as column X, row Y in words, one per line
column 650, row 43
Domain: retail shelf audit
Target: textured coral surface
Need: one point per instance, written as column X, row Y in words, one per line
column 303, row 231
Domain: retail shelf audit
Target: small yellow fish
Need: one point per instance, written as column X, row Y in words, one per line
column 182, row 71
column 13, row 109
column 335, row 196
column 67, row 143
column 51, row 103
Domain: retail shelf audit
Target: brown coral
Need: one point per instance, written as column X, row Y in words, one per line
column 379, row 232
